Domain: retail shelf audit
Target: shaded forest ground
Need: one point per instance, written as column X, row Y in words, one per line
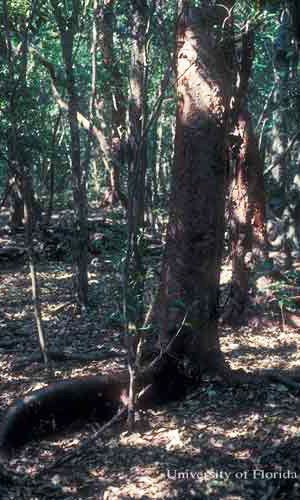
column 221, row 442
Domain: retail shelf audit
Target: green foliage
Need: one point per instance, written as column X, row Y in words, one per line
column 18, row 8
column 285, row 289
column 36, row 109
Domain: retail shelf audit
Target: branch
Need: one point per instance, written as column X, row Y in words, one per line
column 266, row 106
column 82, row 120
column 283, row 155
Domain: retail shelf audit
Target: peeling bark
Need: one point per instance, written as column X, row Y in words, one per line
column 188, row 294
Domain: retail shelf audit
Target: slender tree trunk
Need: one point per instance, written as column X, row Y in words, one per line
column 67, row 30
column 138, row 112
column 17, row 151
column 187, row 301
column 35, row 286
column 133, row 269
column 284, row 59
column 52, row 169
column 16, row 206
column 80, row 236
column 26, row 207
column 115, row 101
column 257, row 194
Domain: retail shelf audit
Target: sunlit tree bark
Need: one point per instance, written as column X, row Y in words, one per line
column 187, row 301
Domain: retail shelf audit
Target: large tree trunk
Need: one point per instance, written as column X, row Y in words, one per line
column 188, row 295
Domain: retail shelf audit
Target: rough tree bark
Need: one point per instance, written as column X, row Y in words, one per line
column 187, row 300
column 247, row 195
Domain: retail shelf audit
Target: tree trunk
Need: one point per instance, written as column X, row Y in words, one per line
column 138, row 113
column 68, row 28
column 18, row 150
column 35, row 285
column 283, row 64
column 16, row 207
column 247, row 217
column 187, row 300
column 52, row 169
column 115, row 102
column 247, row 195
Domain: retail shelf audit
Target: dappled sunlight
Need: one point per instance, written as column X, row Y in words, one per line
column 256, row 349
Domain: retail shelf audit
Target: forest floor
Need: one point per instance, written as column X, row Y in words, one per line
column 220, row 442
